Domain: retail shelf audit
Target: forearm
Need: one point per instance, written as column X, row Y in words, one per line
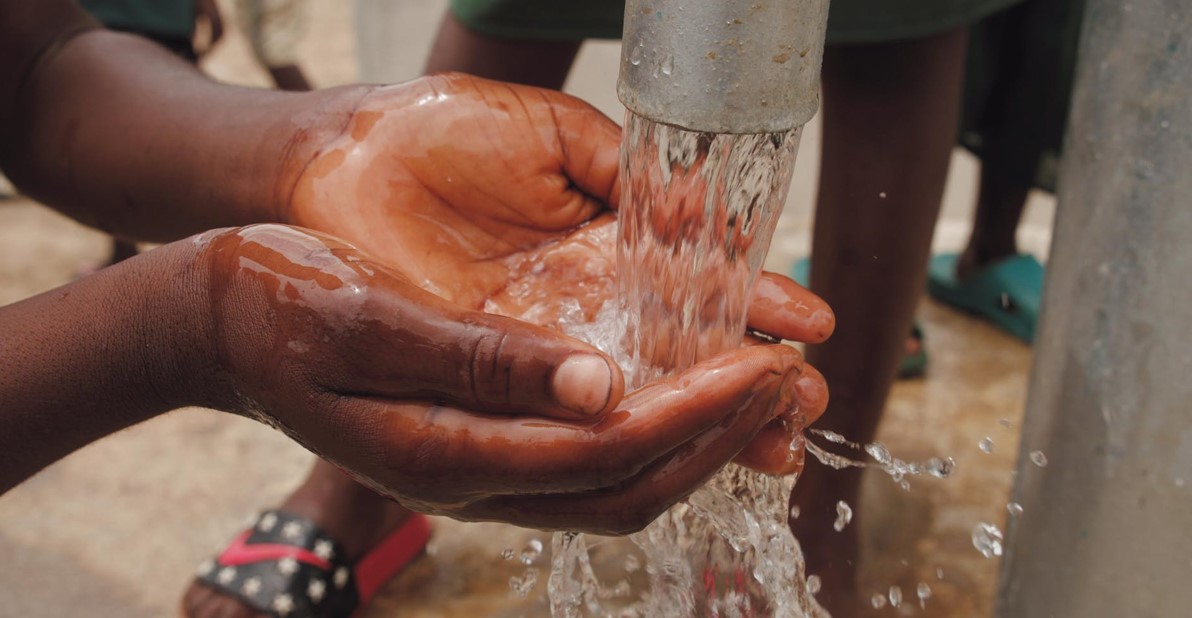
column 110, row 129
column 98, row 355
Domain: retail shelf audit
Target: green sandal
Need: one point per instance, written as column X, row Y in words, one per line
column 1006, row 293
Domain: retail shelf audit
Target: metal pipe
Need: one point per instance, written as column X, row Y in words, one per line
column 723, row 66
column 1106, row 528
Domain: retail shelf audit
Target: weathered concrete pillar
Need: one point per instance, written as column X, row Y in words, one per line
column 1107, row 527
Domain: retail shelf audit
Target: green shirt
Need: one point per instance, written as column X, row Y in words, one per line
column 156, row 18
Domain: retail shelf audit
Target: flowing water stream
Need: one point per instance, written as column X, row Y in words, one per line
column 697, row 214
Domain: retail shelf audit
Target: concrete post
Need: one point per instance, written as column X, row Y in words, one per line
column 1107, row 526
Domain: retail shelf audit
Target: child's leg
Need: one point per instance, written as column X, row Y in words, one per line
column 535, row 63
column 890, row 117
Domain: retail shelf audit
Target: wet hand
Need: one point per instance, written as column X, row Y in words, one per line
column 498, row 198
column 430, row 402
column 447, row 177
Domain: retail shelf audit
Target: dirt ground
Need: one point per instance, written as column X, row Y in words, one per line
column 117, row 529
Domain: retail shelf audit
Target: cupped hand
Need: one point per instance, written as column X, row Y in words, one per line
column 448, row 177
column 454, row 411
column 498, row 197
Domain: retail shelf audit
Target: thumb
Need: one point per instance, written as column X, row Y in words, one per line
column 487, row 363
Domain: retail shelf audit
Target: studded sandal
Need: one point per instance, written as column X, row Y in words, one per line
column 285, row 566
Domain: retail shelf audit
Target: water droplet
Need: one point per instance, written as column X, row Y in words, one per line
column 939, row 573
column 844, row 515
column 1004, row 422
column 923, row 591
column 905, row 485
column 878, row 600
column 940, row 468
column 507, row 554
column 882, row 195
column 895, row 596
column 1014, row 508
column 668, row 65
column 986, row 445
column 832, row 436
column 987, row 539
column 531, row 551
column 521, row 586
column 635, row 56
column 1179, row 482
column 1039, row 459
column 813, row 584
column 879, row 453
column 795, row 512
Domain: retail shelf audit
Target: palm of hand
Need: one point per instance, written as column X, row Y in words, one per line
column 459, row 183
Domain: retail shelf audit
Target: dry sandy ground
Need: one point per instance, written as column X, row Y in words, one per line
column 115, row 530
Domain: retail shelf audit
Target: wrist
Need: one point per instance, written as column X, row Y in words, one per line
column 183, row 369
column 314, row 122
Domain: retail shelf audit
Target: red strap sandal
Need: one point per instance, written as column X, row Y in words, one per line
column 285, row 566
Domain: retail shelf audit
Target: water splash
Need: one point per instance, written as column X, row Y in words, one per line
column 844, row 516
column 986, row 445
column 895, row 596
column 1039, row 459
column 520, row 586
column 531, row 552
column 987, row 538
column 923, row 592
column 896, row 468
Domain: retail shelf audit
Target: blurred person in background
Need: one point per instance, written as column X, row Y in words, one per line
column 274, row 29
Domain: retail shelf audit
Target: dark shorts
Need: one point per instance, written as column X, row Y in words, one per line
column 1017, row 83
column 849, row 21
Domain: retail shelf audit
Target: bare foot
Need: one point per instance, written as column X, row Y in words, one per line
column 353, row 515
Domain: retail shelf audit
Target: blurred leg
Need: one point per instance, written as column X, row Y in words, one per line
column 289, row 77
column 535, row 63
column 890, row 117
column 1000, row 202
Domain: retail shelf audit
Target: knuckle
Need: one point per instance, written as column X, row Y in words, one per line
column 489, row 373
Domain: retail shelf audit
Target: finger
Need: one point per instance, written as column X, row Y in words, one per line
column 383, row 336
column 778, row 448
column 634, row 504
column 457, row 455
column 590, row 144
column 438, row 351
column 781, row 308
column 811, row 394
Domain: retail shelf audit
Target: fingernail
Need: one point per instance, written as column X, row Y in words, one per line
column 583, row 383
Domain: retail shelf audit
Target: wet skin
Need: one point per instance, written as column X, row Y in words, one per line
column 467, row 177
column 414, row 180
column 348, row 350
